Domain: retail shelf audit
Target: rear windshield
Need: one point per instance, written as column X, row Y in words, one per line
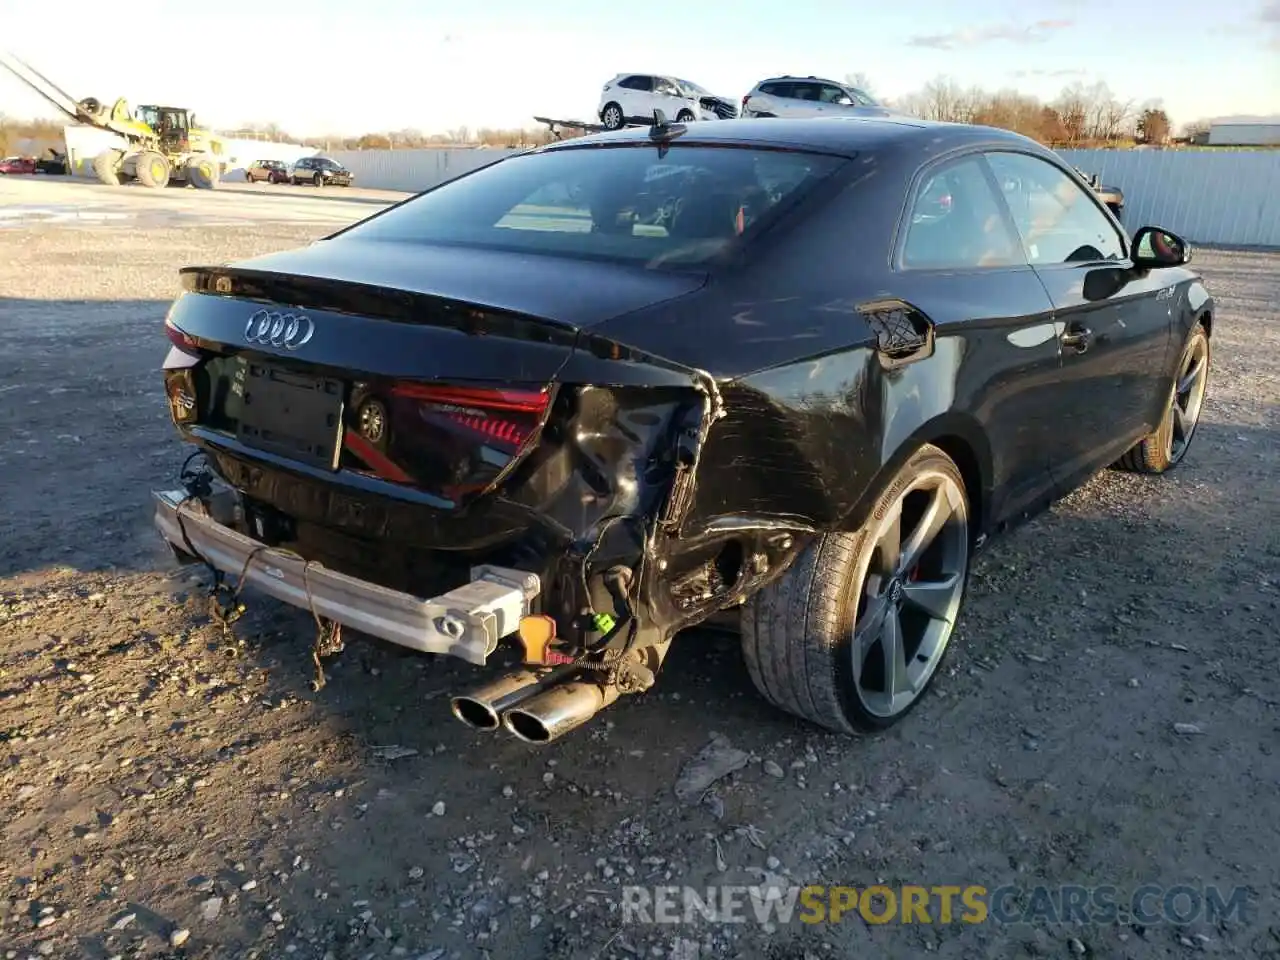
column 681, row 206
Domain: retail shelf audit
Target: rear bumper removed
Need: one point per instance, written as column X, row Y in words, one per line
column 466, row 622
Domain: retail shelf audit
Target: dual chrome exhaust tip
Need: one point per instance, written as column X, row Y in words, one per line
column 535, row 709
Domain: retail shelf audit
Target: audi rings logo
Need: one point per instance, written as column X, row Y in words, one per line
column 287, row 330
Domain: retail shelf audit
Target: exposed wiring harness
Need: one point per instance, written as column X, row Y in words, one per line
column 225, row 605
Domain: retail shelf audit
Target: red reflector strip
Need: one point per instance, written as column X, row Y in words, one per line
column 374, row 458
column 177, row 337
column 519, row 401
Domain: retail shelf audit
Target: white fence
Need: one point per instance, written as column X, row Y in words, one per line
column 414, row 170
column 1221, row 196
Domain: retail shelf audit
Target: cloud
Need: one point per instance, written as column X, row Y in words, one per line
column 1036, row 32
column 1269, row 17
column 1057, row 74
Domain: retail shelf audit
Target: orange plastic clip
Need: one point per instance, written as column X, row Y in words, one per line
column 536, row 633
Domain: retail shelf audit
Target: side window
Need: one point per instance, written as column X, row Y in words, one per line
column 955, row 222
column 831, row 94
column 1057, row 219
column 665, row 87
column 636, row 83
column 776, row 89
column 804, row 91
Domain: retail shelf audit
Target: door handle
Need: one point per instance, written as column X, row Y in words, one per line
column 1077, row 339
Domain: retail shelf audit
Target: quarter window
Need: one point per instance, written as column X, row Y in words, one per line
column 956, row 222
column 1057, row 219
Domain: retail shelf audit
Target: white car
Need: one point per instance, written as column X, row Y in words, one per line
column 632, row 98
column 809, row 97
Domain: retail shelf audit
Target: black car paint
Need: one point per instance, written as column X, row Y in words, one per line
column 707, row 424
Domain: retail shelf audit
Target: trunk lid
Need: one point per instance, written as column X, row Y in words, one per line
column 432, row 369
column 574, row 293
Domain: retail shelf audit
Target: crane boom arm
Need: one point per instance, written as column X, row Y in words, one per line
column 89, row 112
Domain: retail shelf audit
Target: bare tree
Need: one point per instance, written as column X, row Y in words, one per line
column 1196, row 129
column 940, row 99
column 1080, row 113
column 1073, row 110
column 861, row 81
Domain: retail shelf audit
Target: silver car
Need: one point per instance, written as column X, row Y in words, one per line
column 809, row 97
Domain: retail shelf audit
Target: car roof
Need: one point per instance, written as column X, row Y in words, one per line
column 834, row 83
column 843, row 136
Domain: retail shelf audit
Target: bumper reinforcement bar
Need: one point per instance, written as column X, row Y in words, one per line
column 466, row 622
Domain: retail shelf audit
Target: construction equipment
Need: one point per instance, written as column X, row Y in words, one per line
column 159, row 145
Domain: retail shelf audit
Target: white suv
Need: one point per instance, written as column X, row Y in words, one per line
column 809, row 97
column 632, row 98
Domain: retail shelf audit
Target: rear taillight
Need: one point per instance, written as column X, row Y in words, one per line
column 506, row 418
column 179, row 339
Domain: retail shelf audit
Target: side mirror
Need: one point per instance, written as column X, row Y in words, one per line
column 1154, row 248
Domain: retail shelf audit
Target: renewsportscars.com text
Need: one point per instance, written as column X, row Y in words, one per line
column 1147, row 905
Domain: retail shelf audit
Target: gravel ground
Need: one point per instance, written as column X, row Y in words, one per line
column 165, row 792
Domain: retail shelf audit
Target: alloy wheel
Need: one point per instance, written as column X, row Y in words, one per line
column 613, row 118
column 910, row 593
column 1188, row 397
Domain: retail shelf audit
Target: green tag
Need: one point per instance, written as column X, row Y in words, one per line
column 603, row 622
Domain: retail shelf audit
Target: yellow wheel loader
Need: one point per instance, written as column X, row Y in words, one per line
column 158, row 145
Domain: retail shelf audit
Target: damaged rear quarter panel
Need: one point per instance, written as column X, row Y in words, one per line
column 813, row 416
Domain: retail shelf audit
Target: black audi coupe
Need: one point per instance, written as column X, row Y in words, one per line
column 598, row 392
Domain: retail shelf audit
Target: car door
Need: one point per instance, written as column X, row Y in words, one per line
column 960, row 263
column 832, row 100
column 804, row 99
column 635, row 96
column 1115, row 335
column 668, row 98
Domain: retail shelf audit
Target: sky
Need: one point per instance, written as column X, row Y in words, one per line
column 347, row 67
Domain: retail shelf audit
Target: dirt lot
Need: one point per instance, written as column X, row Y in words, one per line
column 157, row 786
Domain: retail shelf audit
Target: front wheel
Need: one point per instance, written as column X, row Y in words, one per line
column 202, row 173
column 685, row 116
column 106, row 167
column 611, row 116
column 852, row 635
column 1163, row 450
column 152, row 169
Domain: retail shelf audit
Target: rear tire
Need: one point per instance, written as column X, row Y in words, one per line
column 852, row 635
column 106, row 167
column 202, row 173
column 1164, row 449
column 611, row 116
column 152, row 169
